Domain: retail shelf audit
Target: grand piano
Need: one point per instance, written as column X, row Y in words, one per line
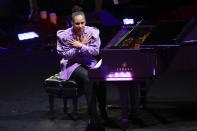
column 138, row 53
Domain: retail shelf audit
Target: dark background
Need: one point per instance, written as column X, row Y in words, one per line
column 14, row 14
column 171, row 100
column 146, row 8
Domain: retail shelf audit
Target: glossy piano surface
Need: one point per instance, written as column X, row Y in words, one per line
column 137, row 55
column 142, row 52
column 125, row 65
column 123, row 60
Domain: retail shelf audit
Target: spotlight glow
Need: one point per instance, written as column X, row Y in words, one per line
column 128, row 21
column 27, row 35
column 154, row 71
column 119, row 76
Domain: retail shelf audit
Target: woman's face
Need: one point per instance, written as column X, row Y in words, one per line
column 78, row 24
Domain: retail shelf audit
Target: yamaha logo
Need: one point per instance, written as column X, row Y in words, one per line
column 124, row 67
column 124, row 64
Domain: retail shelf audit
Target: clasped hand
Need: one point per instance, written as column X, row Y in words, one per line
column 75, row 43
column 78, row 43
column 85, row 39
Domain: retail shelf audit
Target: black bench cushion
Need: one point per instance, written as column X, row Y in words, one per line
column 56, row 86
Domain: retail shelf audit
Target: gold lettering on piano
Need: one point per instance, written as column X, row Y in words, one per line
column 124, row 67
column 124, row 64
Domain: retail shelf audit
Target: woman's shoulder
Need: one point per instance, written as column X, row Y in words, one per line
column 64, row 33
column 92, row 30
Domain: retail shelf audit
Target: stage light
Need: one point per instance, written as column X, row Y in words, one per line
column 27, row 35
column 128, row 21
column 119, row 76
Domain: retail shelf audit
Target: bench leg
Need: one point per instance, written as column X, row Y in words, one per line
column 51, row 106
column 65, row 105
column 75, row 108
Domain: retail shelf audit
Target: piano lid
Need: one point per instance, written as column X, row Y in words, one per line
column 167, row 32
column 128, row 36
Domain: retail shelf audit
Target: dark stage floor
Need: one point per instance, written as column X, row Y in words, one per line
column 171, row 100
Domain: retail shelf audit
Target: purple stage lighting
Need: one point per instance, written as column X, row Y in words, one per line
column 119, row 76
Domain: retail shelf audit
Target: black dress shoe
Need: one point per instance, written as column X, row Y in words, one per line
column 92, row 126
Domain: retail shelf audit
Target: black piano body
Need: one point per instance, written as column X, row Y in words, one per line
column 125, row 65
column 138, row 55
column 121, row 61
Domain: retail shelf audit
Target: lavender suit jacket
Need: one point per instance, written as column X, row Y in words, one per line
column 72, row 57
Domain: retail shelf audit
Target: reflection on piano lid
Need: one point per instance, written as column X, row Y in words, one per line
column 189, row 33
column 130, row 37
column 168, row 33
column 128, row 32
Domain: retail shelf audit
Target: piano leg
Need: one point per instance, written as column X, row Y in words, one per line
column 124, row 97
column 133, row 102
column 128, row 94
column 135, row 98
column 101, row 92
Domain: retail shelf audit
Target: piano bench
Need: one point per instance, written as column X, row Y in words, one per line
column 64, row 89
